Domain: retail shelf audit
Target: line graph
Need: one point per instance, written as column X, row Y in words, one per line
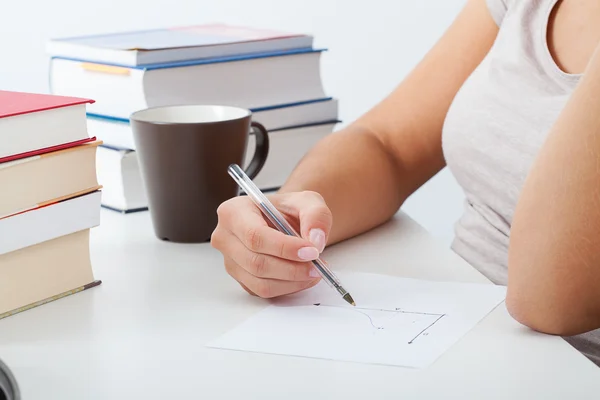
column 402, row 322
column 382, row 319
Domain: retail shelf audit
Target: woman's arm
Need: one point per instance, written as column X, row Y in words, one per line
column 366, row 171
column 554, row 256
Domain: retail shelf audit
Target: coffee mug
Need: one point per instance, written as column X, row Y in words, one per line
column 9, row 389
column 183, row 154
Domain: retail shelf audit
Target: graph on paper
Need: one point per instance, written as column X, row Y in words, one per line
column 397, row 321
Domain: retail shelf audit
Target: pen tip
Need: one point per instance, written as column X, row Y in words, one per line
column 349, row 299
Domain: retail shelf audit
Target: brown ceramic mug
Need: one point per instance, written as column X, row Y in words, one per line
column 183, row 153
column 9, row 389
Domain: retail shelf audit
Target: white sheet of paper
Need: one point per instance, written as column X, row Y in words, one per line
column 396, row 321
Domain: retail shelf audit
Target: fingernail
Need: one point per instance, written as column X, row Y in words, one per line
column 317, row 237
column 313, row 273
column 308, row 253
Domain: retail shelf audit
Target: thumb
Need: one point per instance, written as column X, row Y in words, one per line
column 313, row 215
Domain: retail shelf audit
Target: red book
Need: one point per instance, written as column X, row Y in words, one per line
column 33, row 124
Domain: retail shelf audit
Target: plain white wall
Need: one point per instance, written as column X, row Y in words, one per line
column 372, row 46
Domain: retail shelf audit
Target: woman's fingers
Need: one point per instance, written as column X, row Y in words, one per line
column 268, row 263
column 265, row 288
column 251, row 229
column 263, row 265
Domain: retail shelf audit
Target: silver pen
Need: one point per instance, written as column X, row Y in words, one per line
column 282, row 225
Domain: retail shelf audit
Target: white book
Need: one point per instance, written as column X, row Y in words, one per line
column 33, row 124
column 117, row 133
column 46, row 223
column 249, row 82
column 123, row 188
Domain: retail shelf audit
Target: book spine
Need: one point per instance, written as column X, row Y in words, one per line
column 50, row 299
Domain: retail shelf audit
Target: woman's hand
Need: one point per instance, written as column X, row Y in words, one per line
column 266, row 262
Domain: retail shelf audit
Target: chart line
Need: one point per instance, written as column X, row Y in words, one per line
column 424, row 330
column 395, row 311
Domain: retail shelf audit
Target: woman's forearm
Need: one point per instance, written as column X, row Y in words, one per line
column 366, row 171
column 358, row 178
column 554, row 256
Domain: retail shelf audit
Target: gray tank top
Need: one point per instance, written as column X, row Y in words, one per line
column 495, row 126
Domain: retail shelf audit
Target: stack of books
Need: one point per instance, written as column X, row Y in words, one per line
column 274, row 74
column 50, row 199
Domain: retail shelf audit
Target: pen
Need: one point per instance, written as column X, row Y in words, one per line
column 282, row 225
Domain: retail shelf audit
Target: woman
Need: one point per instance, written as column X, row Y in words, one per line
column 509, row 100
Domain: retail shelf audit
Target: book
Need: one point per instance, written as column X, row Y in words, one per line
column 118, row 168
column 116, row 132
column 49, row 222
column 39, row 180
column 286, row 148
column 171, row 44
column 123, row 188
column 33, row 124
column 51, row 201
column 44, row 272
column 244, row 81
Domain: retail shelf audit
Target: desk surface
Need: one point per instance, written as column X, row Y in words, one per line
column 141, row 334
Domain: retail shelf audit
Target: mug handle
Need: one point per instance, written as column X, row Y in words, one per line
column 261, row 151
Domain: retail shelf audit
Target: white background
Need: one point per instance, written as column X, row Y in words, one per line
column 372, row 46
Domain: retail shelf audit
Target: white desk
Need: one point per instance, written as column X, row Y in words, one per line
column 141, row 334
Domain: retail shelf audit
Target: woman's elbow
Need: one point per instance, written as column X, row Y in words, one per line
column 535, row 317
column 553, row 314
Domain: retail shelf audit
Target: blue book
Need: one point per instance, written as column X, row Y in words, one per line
column 174, row 44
